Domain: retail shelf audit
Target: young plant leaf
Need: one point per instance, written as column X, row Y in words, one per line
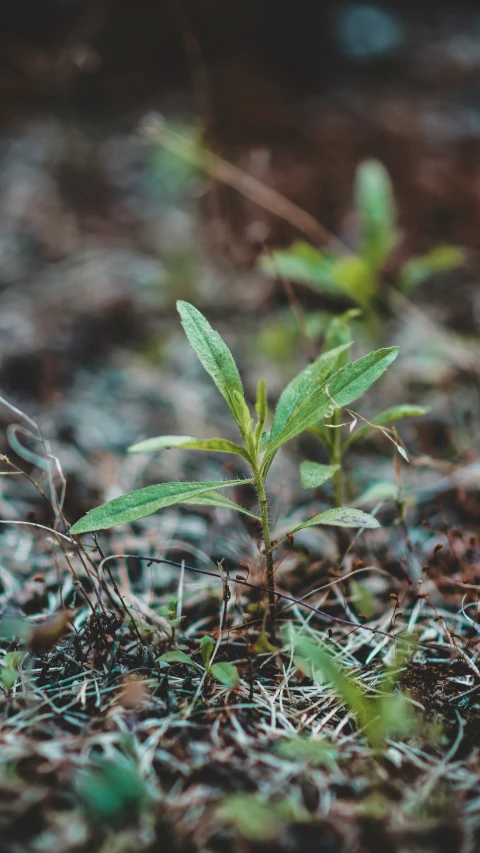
column 339, row 333
column 225, row 673
column 395, row 413
column 313, row 475
column 301, row 263
column 144, row 502
column 378, row 493
column 340, row 390
column 206, row 649
column 355, row 278
column 303, row 387
column 214, row 355
column 164, row 442
column 375, row 207
column 313, row 751
column 438, row 260
column 178, row 656
column 217, row 500
column 342, row 516
column 261, row 401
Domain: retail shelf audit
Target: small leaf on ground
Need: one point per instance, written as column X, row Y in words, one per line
column 225, row 673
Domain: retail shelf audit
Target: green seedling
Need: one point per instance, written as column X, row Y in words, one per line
column 112, row 790
column 223, row 672
column 330, row 432
column 359, row 275
column 311, row 397
column 380, row 716
column 10, row 669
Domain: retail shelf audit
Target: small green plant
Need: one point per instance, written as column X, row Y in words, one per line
column 359, row 275
column 381, row 716
column 329, row 431
column 223, row 672
column 112, row 790
column 321, row 389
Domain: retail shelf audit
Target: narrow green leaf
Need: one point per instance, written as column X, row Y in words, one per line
column 355, row 379
column 187, row 442
column 214, row 355
column 303, row 264
column 375, row 206
column 340, row 390
column 178, row 656
column 261, row 401
column 342, row 516
column 217, row 500
column 339, row 333
column 355, row 277
column 438, row 260
column 395, row 413
column 144, row 502
column 303, row 387
column 318, row 753
column 313, row 475
column 225, row 673
column 377, row 493
column 363, row 598
column 206, row 649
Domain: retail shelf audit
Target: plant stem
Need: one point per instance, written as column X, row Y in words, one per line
column 270, row 577
column 337, row 458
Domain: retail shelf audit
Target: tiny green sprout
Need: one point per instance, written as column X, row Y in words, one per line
column 223, row 671
column 331, row 431
column 326, row 384
column 359, row 276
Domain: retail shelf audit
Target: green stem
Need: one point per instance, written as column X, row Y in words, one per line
column 270, row 577
column 337, row 458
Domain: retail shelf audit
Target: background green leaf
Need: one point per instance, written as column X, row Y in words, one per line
column 144, row 502
column 304, row 264
column 313, row 475
column 225, row 673
column 220, row 501
column 438, row 260
column 163, row 442
column 395, row 413
column 342, row 516
column 375, row 207
column 302, row 387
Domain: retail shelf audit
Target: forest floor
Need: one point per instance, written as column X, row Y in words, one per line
column 102, row 745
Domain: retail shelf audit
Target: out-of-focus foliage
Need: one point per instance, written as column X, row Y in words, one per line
column 358, row 276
